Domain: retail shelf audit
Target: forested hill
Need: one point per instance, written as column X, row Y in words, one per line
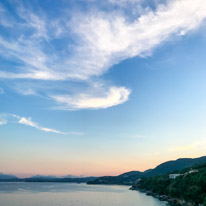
column 131, row 178
column 173, row 165
column 189, row 186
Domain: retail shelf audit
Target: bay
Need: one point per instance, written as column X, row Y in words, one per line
column 71, row 194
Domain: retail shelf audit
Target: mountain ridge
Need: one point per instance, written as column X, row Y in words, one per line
column 7, row 176
column 130, row 178
column 41, row 178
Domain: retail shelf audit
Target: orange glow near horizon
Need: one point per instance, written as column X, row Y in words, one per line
column 108, row 168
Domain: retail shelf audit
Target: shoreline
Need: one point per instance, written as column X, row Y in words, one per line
column 170, row 200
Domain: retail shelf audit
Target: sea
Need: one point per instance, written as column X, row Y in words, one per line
column 71, row 194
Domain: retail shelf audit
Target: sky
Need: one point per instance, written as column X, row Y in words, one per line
column 90, row 87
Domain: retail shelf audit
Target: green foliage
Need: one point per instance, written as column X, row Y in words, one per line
column 130, row 178
column 189, row 186
column 204, row 204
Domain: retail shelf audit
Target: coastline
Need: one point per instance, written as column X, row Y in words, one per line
column 170, row 200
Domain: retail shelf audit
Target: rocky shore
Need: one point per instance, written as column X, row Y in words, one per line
column 171, row 201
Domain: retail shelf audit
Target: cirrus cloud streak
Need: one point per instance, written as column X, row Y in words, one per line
column 28, row 121
column 93, row 43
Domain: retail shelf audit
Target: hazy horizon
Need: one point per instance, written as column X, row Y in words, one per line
column 99, row 88
column 27, row 175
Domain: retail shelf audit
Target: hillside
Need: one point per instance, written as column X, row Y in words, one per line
column 189, row 186
column 124, row 179
column 178, row 164
column 131, row 178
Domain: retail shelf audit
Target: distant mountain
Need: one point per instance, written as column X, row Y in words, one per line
column 5, row 177
column 54, row 177
column 72, row 176
column 40, row 178
column 131, row 178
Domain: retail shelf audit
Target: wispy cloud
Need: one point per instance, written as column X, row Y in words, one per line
column 3, row 121
column 1, row 91
column 35, row 22
column 123, row 2
column 123, row 39
column 110, row 98
column 189, row 147
column 184, row 147
column 93, row 43
column 28, row 121
column 95, row 53
column 139, row 136
column 5, row 18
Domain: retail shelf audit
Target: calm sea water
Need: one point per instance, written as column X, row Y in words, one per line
column 69, row 194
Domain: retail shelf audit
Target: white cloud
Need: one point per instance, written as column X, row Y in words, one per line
column 34, row 21
column 104, row 39
column 28, row 121
column 50, row 130
column 108, row 39
column 96, row 41
column 114, row 96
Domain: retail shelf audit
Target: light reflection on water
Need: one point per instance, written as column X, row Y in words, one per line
column 70, row 194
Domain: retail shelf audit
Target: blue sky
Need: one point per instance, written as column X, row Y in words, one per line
column 98, row 88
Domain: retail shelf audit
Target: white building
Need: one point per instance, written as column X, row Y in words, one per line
column 193, row 171
column 173, row 176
